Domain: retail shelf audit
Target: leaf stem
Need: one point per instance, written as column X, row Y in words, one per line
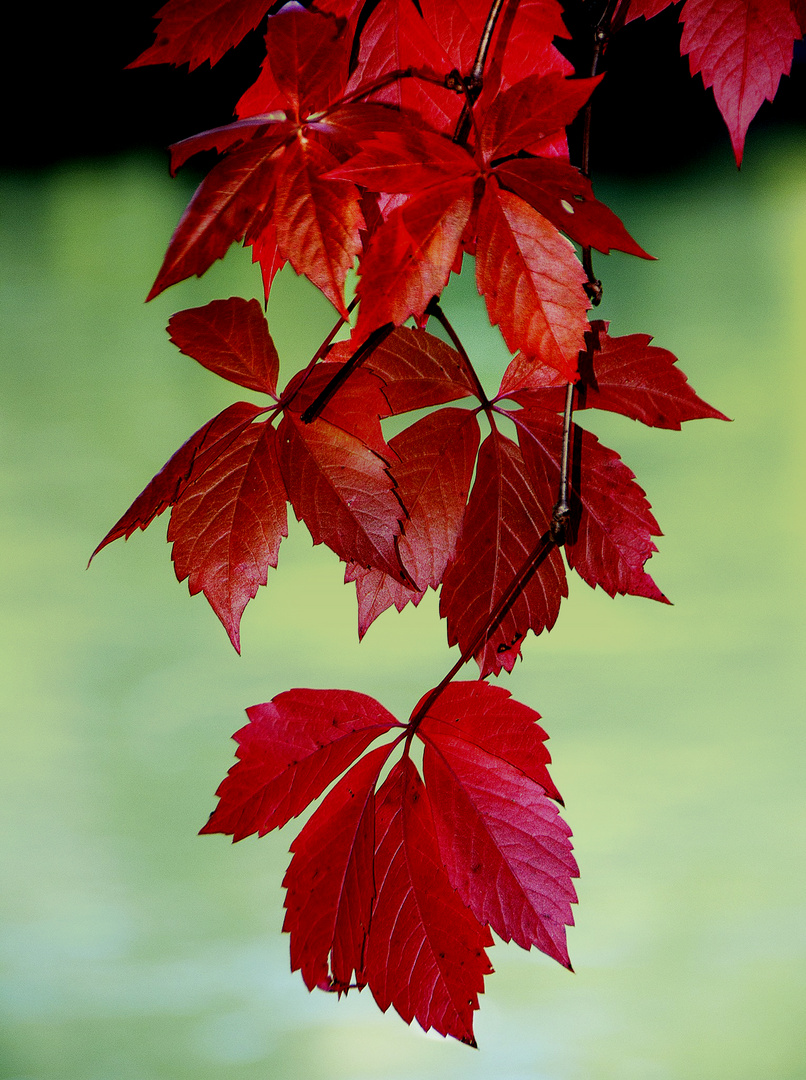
column 435, row 309
column 473, row 83
column 561, row 513
column 320, row 352
column 497, row 616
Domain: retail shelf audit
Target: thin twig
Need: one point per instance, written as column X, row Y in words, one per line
column 474, row 82
column 320, row 352
column 435, row 309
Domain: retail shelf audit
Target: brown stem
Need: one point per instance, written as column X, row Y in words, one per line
column 474, row 81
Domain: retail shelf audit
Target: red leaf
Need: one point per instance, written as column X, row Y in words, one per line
column 291, row 749
column 418, row 370
column 407, row 161
column 532, row 110
column 625, row 375
column 231, row 338
column 437, row 455
column 226, row 203
column 647, row 8
column 227, row 525
column 317, row 220
column 505, row 848
column 489, row 718
column 741, row 48
column 191, row 459
column 272, row 131
column 503, row 525
column 411, row 255
column 395, row 38
column 562, row 194
column 193, row 31
column 531, row 280
column 308, row 54
column 612, row 524
column 425, row 952
column 356, row 407
column 342, row 491
column 330, row 883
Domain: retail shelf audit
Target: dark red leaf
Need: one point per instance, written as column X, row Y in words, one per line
column 231, row 338
column 226, row 526
column 418, row 370
column 504, row 845
column 437, row 455
column 562, row 194
column 531, row 280
column 194, row 31
column 191, row 459
column 503, row 525
column 425, row 952
column 411, row 255
column 626, row 375
column 292, row 748
column 356, row 407
column 741, row 48
column 330, row 882
column 226, row 203
column 273, row 133
column 489, row 718
column 612, row 524
column 342, row 491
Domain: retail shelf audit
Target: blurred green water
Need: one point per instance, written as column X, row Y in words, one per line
column 134, row 950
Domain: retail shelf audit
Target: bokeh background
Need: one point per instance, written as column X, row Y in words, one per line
column 131, row 948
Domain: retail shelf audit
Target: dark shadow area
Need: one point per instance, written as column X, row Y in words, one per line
column 74, row 98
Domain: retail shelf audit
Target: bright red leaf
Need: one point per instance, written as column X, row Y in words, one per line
column 425, row 953
column 231, row 338
column 292, row 748
column 531, row 280
column 227, row 525
column 504, row 523
column 330, row 883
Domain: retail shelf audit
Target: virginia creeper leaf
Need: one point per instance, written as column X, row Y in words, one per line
column 626, row 375
column 193, row 31
column 531, row 280
column 488, row 717
column 425, row 952
column 417, row 370
column 612, row 524
column 411, row 255
column 330, row 883
column 433, row 474
column 292, row 748
column 226, row 526
column 741, row 48
column 505, row 848
column 343, row 491
column 231, row 338
column 503, row 525
column 191, row 459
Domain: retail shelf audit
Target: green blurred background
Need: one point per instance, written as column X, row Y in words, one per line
column 131, row 948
